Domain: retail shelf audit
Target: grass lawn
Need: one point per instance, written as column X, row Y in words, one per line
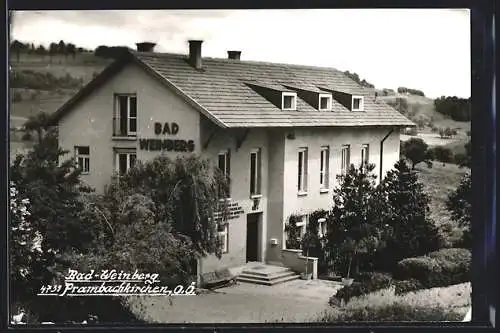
column 438, row 182
column 453, row 301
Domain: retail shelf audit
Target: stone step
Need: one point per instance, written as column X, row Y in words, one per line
column 269, row 278
column 275, row 270
column 267, row 282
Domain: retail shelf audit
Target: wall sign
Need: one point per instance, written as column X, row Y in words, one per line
column 166, row 144
column 234, row 211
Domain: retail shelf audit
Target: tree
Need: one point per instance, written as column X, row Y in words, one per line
column 351, row 235
column 187, row 193
column 293, row 232
column 459, row 203
column 61, row 47
column 25, row 250
column 443, row 154
column 403, row 207
column 467, row 157
column 38, row 123
column 17, row 47
column 53, row 49
column 70, row 49
column 448, row 132
column 416, row 150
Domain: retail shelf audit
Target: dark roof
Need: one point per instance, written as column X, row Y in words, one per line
column 221, row 91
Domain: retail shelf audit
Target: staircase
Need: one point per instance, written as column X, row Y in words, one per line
column 266, row 274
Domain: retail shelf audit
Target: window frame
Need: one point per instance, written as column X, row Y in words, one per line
column 224, row 233
column 294, row 101
column 345, row 163
column 302, row 166
column 117, row 115
column 329, row 104
column 128, row 153
column 361, row 103
column 324, row 168
column 365, row 155
column 258, row 173
column 227, row 167
column 322, row 229
column 85, row 158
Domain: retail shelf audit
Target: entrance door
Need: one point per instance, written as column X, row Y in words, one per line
column 253, row 237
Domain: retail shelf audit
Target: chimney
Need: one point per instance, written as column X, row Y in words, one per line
column 234, row 55
column 195, row 53
column 145, row 47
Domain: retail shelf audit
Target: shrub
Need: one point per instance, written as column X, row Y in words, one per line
column 437, row 269
column 393, row 312
column 368, row 282
column 443, row 154
column 405, row 286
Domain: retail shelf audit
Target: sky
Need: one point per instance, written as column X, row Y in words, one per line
column 425, row 49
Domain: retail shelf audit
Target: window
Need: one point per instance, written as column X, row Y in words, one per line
column 125, row 161
column 125, row 115
column 325, row 102
column 364, row 155
column 255, row 172
column 302, row 171
column 83, row 158
column 324, row 167
column 357, row 103
column 302, row 224
column 345, row 162
column 224, row 163
column 289, row 101
column 222, row 232
column 322, row 227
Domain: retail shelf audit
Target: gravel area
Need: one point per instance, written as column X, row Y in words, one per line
column 294, row 301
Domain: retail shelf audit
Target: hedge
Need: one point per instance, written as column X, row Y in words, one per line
column 393, row 312
column 437, row 269
column 365, row 283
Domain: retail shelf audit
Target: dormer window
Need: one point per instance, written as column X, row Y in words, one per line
column 357, row 103
column 289, row 101
column 325, row 102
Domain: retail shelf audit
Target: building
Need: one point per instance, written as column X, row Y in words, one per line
column 282, row 132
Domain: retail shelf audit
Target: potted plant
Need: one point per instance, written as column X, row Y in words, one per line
column 307, row 243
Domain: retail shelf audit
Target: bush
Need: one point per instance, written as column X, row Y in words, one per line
column 368, row 282
column 441, row 268
column 42, row 81
column 443, row 154
column 393, row 312
column 405, row 286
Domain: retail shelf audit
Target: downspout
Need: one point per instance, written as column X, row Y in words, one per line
column 382, row 152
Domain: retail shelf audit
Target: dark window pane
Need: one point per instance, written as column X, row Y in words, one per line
column 87, row 167
column 133, row 158
column 301, row 154
column 80, row 162
column 84, row 150
column 133, row 107
column 222, row 163
column 287, row 102
column 133, row 125
column 356, row 103
column 324, row 102
column 122, row 163
column 253, row 169
column 259, row 176
column 123, row 114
